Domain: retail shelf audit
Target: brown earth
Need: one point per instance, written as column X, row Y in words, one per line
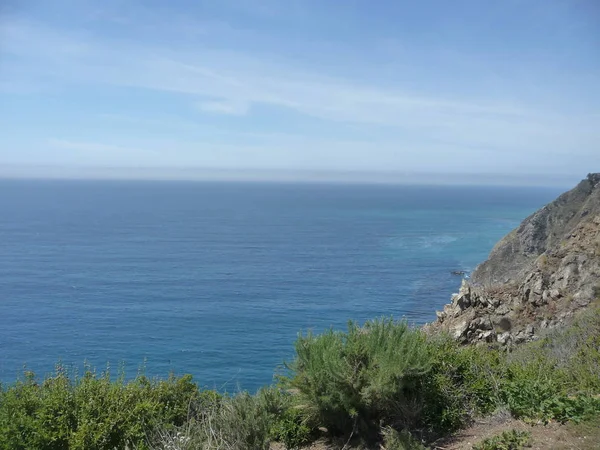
column 551, row 436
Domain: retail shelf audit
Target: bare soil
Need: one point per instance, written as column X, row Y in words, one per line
column 551, row 436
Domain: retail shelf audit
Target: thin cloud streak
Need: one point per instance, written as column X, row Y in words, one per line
column 228, row 75
column 227, row 106
column 239, row 82
column 345, row 122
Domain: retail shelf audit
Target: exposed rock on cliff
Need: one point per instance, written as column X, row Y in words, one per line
column 536, row 277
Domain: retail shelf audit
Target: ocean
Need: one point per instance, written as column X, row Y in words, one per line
column 217, row 279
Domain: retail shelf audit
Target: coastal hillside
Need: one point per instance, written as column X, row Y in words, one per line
column 536, row 278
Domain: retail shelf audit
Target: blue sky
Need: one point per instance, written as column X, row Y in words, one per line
column 494, row 87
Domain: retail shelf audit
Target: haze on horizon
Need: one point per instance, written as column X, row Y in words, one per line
column 301, row 89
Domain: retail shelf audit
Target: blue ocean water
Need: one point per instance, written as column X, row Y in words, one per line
column 217, row 279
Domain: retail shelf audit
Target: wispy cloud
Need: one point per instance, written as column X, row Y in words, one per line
column 373, row 124
column 90, row 147
column 237, row 79
column 227, row 106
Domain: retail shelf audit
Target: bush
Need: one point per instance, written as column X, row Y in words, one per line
column 537, row 390
column 576, row 352
column 91, row 412
column 291, row 429
column 463, row 383
column 529, row 387
column 239, row 422
column 558, row 377
column 350, row 382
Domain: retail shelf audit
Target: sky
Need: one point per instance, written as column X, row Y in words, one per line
column 300, row 86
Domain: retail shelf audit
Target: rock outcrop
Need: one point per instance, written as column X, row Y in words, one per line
column 536, row 277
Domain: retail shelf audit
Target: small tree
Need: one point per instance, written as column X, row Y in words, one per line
column 352, row 382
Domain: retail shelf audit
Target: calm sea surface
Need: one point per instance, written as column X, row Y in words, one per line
column 216, row 279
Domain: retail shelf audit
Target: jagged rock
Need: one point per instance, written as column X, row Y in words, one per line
column 520, row 338
column 504, row 324
column 546, row 297
column 460, row 330
column 504, row 338
column 503, row 309
column 486, row 324
column 487, row 336
column 463, row 302
column 536, row 277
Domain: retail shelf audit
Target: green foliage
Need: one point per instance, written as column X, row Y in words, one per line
column 573, row 409
column 288, row 425
column 529, row 387
column 462, row 383
column 91, row 412
column 241, row 422
column 537, row 390
column 291, row 429
column 507, row 440
column 238, row 422
column 350, row 382
column 557, row 378
column 576, row 352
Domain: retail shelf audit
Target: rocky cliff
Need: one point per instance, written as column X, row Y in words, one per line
column 536, row 277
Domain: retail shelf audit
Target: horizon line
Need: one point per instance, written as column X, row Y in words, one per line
column 284, row 175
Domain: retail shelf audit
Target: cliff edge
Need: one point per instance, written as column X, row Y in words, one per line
column 536, row 277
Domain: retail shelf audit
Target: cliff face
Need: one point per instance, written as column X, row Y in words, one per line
column 536, row 277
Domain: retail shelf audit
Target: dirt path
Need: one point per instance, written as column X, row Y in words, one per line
column 552, row 436
column 543, row 437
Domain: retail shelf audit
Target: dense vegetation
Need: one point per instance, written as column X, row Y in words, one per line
column 381, row 382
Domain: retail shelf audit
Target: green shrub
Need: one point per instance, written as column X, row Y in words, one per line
column 288, row 424
column 538, row 389
column 573, row 409
column 239, row 422
column 36, row 416
column 350, row 382
column 529, row 387
column 576, row 351
column 463, row 383
column 558, row 377
column 507, row 440
column 291, row 429
column 91, row 412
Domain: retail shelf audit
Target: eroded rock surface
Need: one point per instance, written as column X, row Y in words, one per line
column 536, row 277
